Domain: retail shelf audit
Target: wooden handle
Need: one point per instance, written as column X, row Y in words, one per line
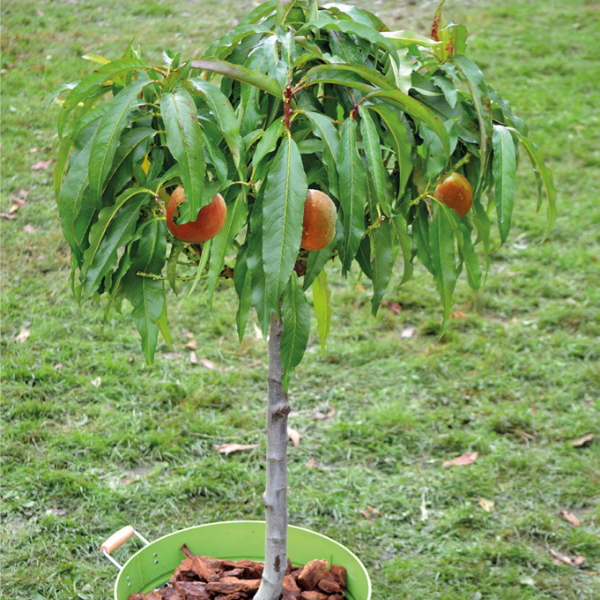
column 116, row 540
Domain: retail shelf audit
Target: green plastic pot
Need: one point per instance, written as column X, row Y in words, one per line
column 154, row 564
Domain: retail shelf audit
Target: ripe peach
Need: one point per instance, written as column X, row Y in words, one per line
column 318, row 225
column 210, row 221
column 456, row 192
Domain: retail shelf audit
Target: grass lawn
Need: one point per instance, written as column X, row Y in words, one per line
column 93, row 439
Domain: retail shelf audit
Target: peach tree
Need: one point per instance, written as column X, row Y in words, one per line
column 296, row 97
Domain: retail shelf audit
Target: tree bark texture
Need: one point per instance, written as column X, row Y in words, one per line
column 275, row 497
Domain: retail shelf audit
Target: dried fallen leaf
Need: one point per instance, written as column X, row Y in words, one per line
column 583, row 440
column 97, row 382
column 58, row 366
column 408, row 332
column 571, row 518
column 360, row 288
column 311, row 463
column 7, row 216
column 57, row 512
column 395, row 308
column 294, row 436
column 41, row 165
column 232, row 447
column 319, row 416
column 18, row 202
column 464, row 459
column 487, row 505
column 29, row 229
column 563, row 559
column 193, row 358
column 23, row 335
column 457, row 314
column 207, row 364
column 365, row 513
column 374, row 510
column 192, row 345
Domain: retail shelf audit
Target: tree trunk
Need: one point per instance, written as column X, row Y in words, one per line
column 275, row 497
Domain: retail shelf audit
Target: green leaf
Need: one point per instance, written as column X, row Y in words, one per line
column 504, row 167
column 185, row 141
column 420, row 231
column 72, row 199
column 443, row 259
column 295, row 314
column 382, row 261
column 242, row 280
column 241, row 73
column 114, row 228
column 400, row 231
column 176, row 249
column 224, row 116
column 467, row 252
column 130, row 140
column 108, row 134
column 283, row 212
column 222, row 243
column 372, row 150
column 319, row 74
column 315, row 263
column 322, row 306
column 268, row 142
column 399, row 141
column 352, row 177
column 473, row 77
column 416, row 110
column 403, row 39
column 544, row 179
column 92, row 82
column 147, row 296
column 323, row 128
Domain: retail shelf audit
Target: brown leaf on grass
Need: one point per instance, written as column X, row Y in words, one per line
column 207, row 364
column 573, row 520
column 41, row 165
column 467, row 458
column 7, row 216
column 366, row 514
column 232, row 447
column 374, row 510
column 29, row 229
column 22, row 335
column 319, row 416
column 294, row 436
column 487, row 505
column 457, row 314
column 17, row 203
column 563, row 559
column 193, row 358
column 408, row 332
column 311, row 463
column 583, row 440
column 192, row 345
column 360, row 288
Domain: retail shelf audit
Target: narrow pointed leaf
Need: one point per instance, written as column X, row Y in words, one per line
column 404, row 38
column 400, row 232
column 295, row 314
column 242, row 280
column 315, row 263
column 268, row 142
column 224, row 116
column 184, row 139
column 324, row 129
column 382, row 261
column 323, row 307
column 92, row 82
column 372, row 150
column 114, row 228
column 176, row 249
column 352, row 176
column 108, row 135
column 441, row 244
column 259, row 80
column 283, row 211
column 504, row 166
column 544, row 178
column 399, row 141
column 416, row 110
column 237, row 213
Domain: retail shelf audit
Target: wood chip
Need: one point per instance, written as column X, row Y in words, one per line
column 192, row 590
column 311, row 573
column 314, row 595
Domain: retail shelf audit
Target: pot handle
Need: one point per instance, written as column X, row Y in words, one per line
column 116, row 540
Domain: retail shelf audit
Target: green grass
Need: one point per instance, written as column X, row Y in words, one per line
column 93, row 439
